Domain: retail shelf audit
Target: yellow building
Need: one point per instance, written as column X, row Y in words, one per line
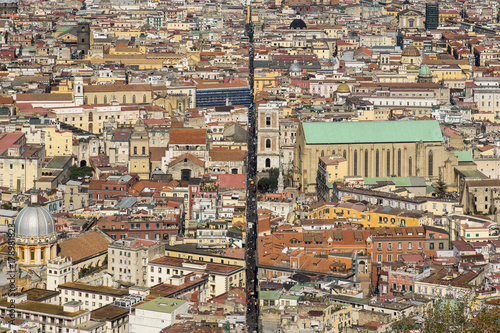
column 264, row 80
column 58, row 142
column 7, row 216
column 447, row 72
column 139, row 151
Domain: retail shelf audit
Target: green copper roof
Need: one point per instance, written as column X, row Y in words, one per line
column 398, row 181
column 161, row 304
column 464, row 156
column 372, row 132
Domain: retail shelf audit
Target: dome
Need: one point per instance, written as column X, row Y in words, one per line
column 424, row 70
column 34, row 221
column 295, row 67
column 298, row 24
column 343, row 88
column 411, row 51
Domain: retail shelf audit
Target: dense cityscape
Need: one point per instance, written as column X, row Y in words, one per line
column 292, row 166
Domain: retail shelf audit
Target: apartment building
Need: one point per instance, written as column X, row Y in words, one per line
column 90, row 297
column 128, row 259
column 222, row 277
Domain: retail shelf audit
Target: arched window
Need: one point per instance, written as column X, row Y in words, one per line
column 377, row 161
column 105, row 100
column 86, row 100
column 268, row 143
column 399, row 162
column 268, row 162
column 409, row 166
column 355, row 162
column 79, row 89
column 143, row 150
column 344, row 154
column 366, row 162
column 333, row 152
column 133, row 99
column 135, row 150
column 91, row 116
column 431, row 164
column 322, row 153
column 95, row 99
column 124, row 99
column 388, row 163
column 144, row 98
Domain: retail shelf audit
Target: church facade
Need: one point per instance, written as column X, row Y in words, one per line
column 373, row 149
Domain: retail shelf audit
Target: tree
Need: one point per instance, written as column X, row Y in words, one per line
column 76, row 173
column 441, row 188
column 268, row 184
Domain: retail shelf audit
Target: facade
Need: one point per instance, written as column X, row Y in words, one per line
column 431, row 15
column 330, row 169
column 156, row 314
column 373, row 149
column 139, row 151
column 90, row 297
column 268, row 139
column 35, row 236
column 208, row 95
column 222, row 277
column 128, row 259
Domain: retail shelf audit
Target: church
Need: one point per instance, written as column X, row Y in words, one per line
column 373, row 149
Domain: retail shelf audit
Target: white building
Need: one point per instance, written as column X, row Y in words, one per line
column 155, row 315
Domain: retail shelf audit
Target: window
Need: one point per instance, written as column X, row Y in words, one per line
column 377, row 161
column 400, row 245
column 420, row 245
column 409, row 166
column 268, row 162
column 268, row 121
column 441, row 246
column 430, row 161
column 431, row 246
column 388, row 163
column 143, row 150
column 379, row 246
column 399, row 162
column 268, row 143
column 410, row 246
column 355, row 163
column 389, row 246
column 366, row 162
column 379, row 258
column 124, row 99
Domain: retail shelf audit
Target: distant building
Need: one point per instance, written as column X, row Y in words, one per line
column 431, row 15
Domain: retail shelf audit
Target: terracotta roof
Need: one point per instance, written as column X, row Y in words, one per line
column 189, row 157
column 156, row 153
column 84, row 246
column 227, row 155
column 117, row 87
column 188, row 136
column 43, row 97
column 232, row 181
column 210, row 266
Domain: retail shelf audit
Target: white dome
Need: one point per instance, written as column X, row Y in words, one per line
column 34, row 221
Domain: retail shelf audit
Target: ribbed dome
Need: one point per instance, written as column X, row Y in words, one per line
column 411, row 51
column 343, row 88
column 34, row 221
column 424, row 70
column 298, row 24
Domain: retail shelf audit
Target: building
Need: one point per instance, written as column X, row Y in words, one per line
column 128, row 259
column 156, row 314
column 431, row 15
column 20, row 163
column 69, row 317
column 330, row 169
column 268, row 140
column 220, row 94
column 222, row 277
column 480, row 196
column 139, row 151
column 90, row 297
column 35, row 236
column 373, row 149
column 83, row 38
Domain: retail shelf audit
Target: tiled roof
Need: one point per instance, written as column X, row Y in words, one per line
column 188, row 136
column 84, row 246
column 227, row 155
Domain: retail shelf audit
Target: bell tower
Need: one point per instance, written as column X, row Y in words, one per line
column 83, row 37
column 268, row 137
column 78, row 91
